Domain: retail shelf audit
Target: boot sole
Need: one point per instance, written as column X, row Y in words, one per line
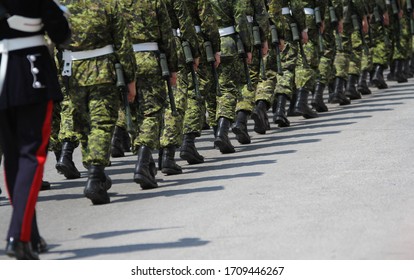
column 223, row 147
column 379, row 85
column 190, row 158
column 171, row 171
column 97, row 197
column 241, row 136
column 67, row 171
column 144, row 182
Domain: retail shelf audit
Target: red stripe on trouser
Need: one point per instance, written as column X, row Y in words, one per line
column 37, row 180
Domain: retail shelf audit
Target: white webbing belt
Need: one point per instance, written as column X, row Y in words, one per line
column 227, row 31
column 286, row 11
column 8, row 45
column 249, row 19
column 197, row 28
column 145, row 47
column 69, row 56
column 309, row 11
column 176, row 32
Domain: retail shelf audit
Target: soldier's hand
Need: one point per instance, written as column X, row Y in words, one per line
column 386, row 18
column 196, row 63
column 341, row 26
column 265, row 48
column 305, row 37
column 249, row 58
column 322, row 28
column 365, row 25
column 132, row 91
column 173, row 79
column 217, row 57
column 281, row 45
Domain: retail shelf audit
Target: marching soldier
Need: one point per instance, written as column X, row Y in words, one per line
column 100, row 40
column 26, row 105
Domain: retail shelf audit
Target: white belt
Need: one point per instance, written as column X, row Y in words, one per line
column 25, row 24
column 197, row 28
column 249, row 19
column 227, row 31
column 8, row 45
column 176, row 32
column 69, row 56
column 309, row 11
column 286, row 11
column 145, row 47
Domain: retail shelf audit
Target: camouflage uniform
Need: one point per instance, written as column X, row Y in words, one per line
column 91, row 86
column 232, row 21
column 201, row 12
column 171, row 134
column 381, row 44
column 150, row 25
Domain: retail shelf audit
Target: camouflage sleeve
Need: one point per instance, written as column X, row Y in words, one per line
column 186, row 26
column 359, row 7
column 166, row 43
column 276, row 17
column 261, row 16
column 241, row 23
column 122, row 42
column 209, row 24
column 382, row 5
column 298, row 13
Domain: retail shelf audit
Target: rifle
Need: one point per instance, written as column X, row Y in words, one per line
column 165, row 73
column 189, row 60
column 318, row 21
column 276, row 43
column 258, row 45
column 121, row 85
column 210, row 58
column 335, row 25
column 243, row 56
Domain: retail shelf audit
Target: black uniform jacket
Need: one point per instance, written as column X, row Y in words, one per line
column 19, row 84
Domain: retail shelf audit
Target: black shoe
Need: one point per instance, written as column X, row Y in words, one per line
column 399, row 74
column 378, row 77
column 97, row 185
column 240, row 128
column 338, row 95
column 143, row 174
column 189, row 151
column 45, row 186
column 20, row 250
column 65, row 164
column 391, row 75
column 116, row 143
column 169, row 165
column 351, row 91
column 279, row 111
column 302, row 107
column 317, row 99
column 222, row 140
column 40, row 246
column 259, row 116
column 362, row 83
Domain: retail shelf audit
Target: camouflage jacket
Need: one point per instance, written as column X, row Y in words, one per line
column 96, row 24
column 232, row 13
column 283, row 21
column 149, row 21
column 203, row 15
column 181, row 19
column 310, row 16
column 258, row 10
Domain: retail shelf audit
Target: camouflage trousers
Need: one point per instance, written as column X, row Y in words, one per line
column 381, row 45
column 402, row 43
column 95, row 112
column 231, row 84
column 246, row 102
column 54, row 144
column 67, row 131
column 305, row 72
column 355, row 58
column 342, row 56
column 286, row 81
column 265, row 89
column 325, row 68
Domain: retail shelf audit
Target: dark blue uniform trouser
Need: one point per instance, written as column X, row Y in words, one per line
column 24, row 136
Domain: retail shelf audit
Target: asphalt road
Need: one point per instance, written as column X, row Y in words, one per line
column 336, row 187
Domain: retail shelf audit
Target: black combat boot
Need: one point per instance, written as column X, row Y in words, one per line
column 399, row 74
column 317, row 98
column 362, row 83
column 65, row 164
column 302, row 107
column 406, row 69
column 351, row 91
column 412, row 63
column 189, row 151
column 144, row 173
column 338, row 95
column 97, row 185
column 222, row 140
column 331, row 90
column 378, row 77
column 169, row 166
column 391, row 75
column 279, row 111
column 259, row 116
column 126, row 141
column 240, row 128
column 116, row 143
column 292, row 102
